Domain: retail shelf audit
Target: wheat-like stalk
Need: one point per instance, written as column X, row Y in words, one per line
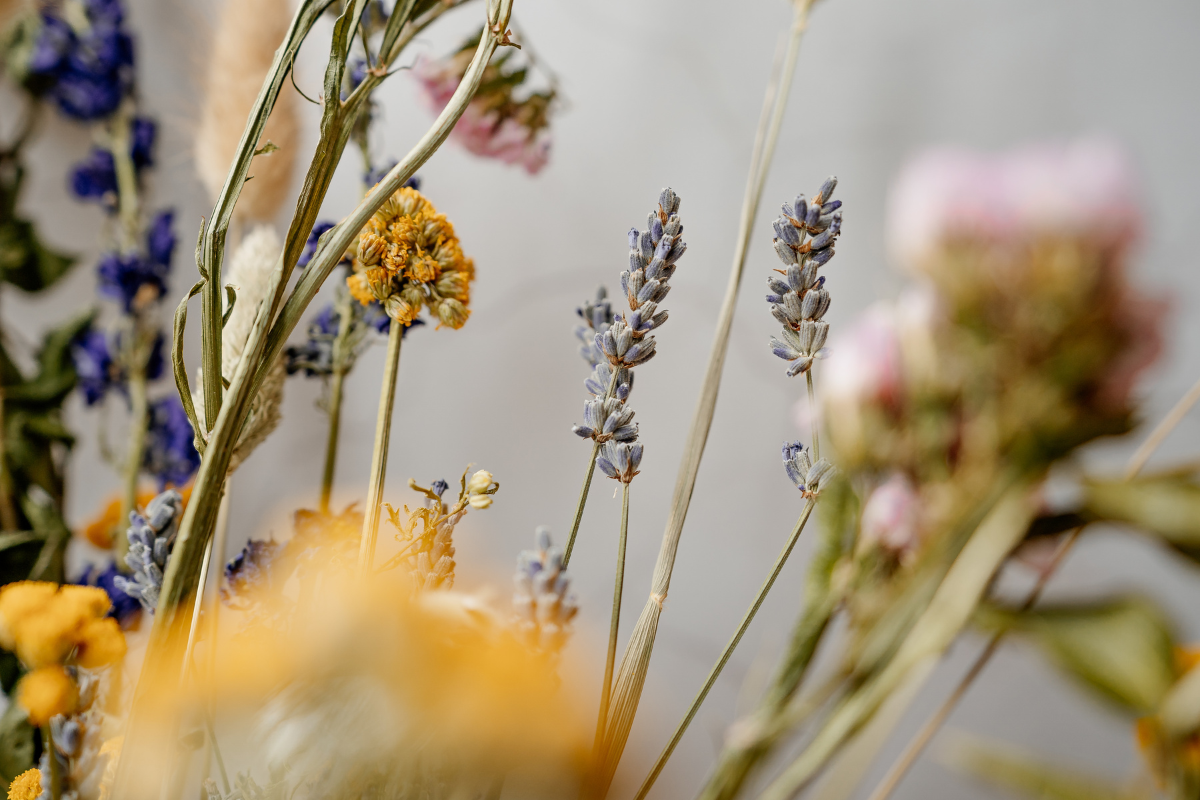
column 244, row 43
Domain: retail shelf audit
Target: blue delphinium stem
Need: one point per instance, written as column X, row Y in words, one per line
column 127, row 193
column 614, row 624
column 138, row 420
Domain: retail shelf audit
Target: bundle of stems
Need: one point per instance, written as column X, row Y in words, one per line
column 226, row 409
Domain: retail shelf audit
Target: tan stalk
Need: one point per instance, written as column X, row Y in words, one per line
column 631, row 677
column 379, row 456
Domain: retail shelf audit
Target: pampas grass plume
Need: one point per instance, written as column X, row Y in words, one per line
column 247, row 34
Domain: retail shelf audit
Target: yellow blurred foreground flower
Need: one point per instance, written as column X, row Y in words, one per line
column 26, row 786
column 47, row 692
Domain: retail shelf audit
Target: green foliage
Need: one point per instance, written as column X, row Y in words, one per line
column 24, row 261
column 1166, row 506
column 1121, row 648
column 16, row 744
column 1004, row 766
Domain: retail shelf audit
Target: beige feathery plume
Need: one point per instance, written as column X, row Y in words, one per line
column 9, row 10
column 250, row 275
column 244, row 43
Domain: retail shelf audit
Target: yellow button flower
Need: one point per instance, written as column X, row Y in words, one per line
column 408, row 257
column 26, row 786
column 47, row 692
column 17, row 602
column 101, row 643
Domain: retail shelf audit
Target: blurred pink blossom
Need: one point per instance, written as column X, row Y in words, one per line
column 864, row 360
column 1084, row 187
column 481, row 130
column 889, row 517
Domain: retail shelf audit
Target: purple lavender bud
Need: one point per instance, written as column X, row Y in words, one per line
column 800, row 366
column 677, row 251
column 821, row 257
column 656, row 228
column 669, row 201
column 827, row 189
column 831, row 207
column 786, row 254
column 801, row 208
column 814, row 214
column 823, row 239
column 779, row 313
column 786, row 231
column 787, row 210
column 606, row 466
column 776, row 285
column 646, row 247
column 796, row 278
column 784, row 350
column 633, row 239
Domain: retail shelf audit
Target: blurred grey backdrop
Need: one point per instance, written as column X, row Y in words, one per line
column 667, row 92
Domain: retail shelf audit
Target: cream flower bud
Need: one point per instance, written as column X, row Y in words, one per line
column 479, row 482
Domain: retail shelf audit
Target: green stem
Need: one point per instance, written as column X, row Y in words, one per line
column 614, row 625
column 272, row 326
column 138, row 417
column 587, row 479
column 383, row 433
column 127, row 188
column 729, row 648
column 8, row 511
column 56, row 777
column 336, row 391
column 812, row 412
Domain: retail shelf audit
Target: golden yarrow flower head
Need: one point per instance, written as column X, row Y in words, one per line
column 408, row 257
column 45, row 624
column 47, row 692
column 26, row 786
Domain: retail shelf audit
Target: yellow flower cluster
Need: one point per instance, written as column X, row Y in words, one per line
column 408, row 257
column 46, row 625
column 26, row 786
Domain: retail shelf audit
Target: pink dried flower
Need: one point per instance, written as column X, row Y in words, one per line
column 865, row 361
column 1082, row 188
column 494, row 125
column 890, row 516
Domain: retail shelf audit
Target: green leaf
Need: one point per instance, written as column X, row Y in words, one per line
column 1123, row 648
column 1001, row 764
column 27, row 263
column 16, row 743
column 1166, row 506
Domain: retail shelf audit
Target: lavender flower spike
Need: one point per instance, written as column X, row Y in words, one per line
column 620, row 460
column 543, row 604
column 151, row 537
column 799, row 299
column 597, row 317
column 807, row 476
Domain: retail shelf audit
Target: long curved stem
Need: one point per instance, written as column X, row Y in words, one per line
column 631, row 677
column 728, row 651
column 383, row 434
column 812, row 413
column 138, row 418
column 918, row 744
column 614, row 624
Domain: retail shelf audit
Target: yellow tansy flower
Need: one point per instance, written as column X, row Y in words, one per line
column 101, row 643
column 47, row 692
column 408, row 257
column 26, row 786
column 49, row 635
column 17, row 602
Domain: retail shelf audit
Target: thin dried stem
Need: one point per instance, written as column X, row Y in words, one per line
column 812, row 411
column 383, row 435
column 614, row 625
column 337, row 388
column 632, row 675
column 587, row 479
column 729, row 648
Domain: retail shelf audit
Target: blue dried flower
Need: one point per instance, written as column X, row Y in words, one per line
column 95, row 370
column 95, row 179
column 170, row 454
column 799, row 299
column 125, row 607
column 310, row 247
column 151, row 538
column 807, row 476
column 315, row 356
column 132, row 279
column 542, row 600
column 142, row 133
column 439, row 487
column 160, row 238
column 86, row 73
column 248, row 571
column 620, row 460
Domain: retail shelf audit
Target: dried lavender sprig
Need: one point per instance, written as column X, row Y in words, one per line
column 542, row 600
column 808, row 475
column 804, row 241
column 151, row 537
column 621, row 342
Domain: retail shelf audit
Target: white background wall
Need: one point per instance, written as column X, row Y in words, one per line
column 668, row 93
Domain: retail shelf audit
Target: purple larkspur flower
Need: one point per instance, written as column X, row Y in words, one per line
column 170, row 454
column 160, row 238
column 95, row 179
column 96, row 372
column 131, row 279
